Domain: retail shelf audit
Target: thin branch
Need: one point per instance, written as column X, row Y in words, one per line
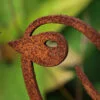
column 87, row 84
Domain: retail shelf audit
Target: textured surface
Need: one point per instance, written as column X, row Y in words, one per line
column 34, row 49
column 87, row 30
column 30, row 80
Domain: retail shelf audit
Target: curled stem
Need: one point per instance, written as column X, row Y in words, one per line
column 33, row 49
column 76, row 23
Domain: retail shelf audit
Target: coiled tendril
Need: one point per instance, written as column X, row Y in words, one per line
column 33, row 49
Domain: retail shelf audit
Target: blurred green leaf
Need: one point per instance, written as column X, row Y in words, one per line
column 12, row 85
column 92, row 14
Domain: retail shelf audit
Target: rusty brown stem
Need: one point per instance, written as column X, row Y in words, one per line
column 88, row 31
column 30, row 79
column 87, row 84
column 33, row 49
